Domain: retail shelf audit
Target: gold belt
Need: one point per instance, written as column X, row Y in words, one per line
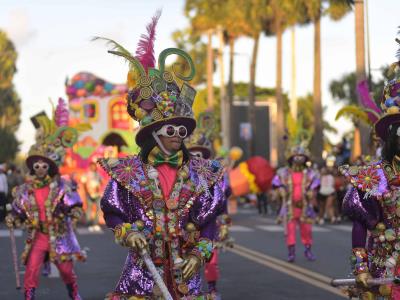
column 298, row 204
column 44, row 227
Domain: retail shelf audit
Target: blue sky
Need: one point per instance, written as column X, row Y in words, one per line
column 53, row 42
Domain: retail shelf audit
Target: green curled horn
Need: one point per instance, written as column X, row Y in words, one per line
column 67, row 135
column 170, row 51
column 134, row 63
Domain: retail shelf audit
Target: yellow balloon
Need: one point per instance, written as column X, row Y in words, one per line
column 235, row 153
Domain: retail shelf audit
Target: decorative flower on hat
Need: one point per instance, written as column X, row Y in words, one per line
column 155, row 97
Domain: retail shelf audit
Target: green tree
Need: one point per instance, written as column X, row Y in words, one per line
column 8, row 58
column 191, row 42
column 344, row 88
column 10, row 108
column 335, row 9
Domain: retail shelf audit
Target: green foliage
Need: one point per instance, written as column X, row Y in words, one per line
column 191, row 42
column 10, row 104
column 10, row 145
column 242, row 90
column 344, row 89
column 10, row 109
column 8, row 59
column 305, row 119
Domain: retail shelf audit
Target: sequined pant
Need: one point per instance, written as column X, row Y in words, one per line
column 305, row 232
column 211, row 271
column 36, row 257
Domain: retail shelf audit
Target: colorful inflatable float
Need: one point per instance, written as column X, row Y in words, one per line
column 101, row 104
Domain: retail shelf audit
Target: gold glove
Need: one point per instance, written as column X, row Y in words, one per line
column 223, row 233
column 9, row 220
column 137, row 241
column 362, row 280
column 282, row 193
column 367, row 296
column 190, row 266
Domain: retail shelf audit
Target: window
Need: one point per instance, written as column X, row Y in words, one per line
column 90, row 111
column 118, row 114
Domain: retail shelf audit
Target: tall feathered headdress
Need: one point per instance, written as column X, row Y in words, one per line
column 53, row 136
column 154, row 97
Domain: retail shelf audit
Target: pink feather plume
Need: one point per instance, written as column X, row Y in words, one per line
column 367, row 101
column 61, row 114
column 145, row 48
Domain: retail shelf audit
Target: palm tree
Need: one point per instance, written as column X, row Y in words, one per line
column 204, row 18
column 336, row 9
column 280, row 126
column 257, row 13
column 360, row 67
column 235, row 25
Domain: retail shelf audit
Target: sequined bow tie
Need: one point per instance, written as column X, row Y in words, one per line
column 157, row 157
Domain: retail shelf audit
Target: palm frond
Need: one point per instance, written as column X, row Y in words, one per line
column 353, row 112
column 114, row 45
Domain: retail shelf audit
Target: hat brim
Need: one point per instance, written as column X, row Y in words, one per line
column 206, row 152
column 53, row 168
column 146, row 131
column 382, row 125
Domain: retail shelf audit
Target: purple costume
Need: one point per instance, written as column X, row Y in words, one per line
column 65, row 203
column 171, row 232
column 373, row 204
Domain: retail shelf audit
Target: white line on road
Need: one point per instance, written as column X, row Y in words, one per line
column 6, row 233
column 346, row 228
column 86, row 231
column 316, row 279
column 239, row 228
column 277, row 228
column 271, row 228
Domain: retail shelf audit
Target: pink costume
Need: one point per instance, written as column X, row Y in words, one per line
column 305, row 228
column 40, row 248
column 296, row 188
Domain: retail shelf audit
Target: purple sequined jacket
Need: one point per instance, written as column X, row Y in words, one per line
column 372, row 200
column 63, row 243
column 126, row 200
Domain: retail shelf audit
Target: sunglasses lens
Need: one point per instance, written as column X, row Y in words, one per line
column 182, row 131
column 170, row 131
column 36, row 167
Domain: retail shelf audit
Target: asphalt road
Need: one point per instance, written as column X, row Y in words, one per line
column 254, row 269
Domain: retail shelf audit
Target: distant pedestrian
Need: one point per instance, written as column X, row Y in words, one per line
column 3, row 192
column 326, row 196
column 262, row 204
column 14, row 178
column 92, row 182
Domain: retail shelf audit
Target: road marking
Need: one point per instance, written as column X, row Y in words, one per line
column 346, row 228
column 265, row 220
column 320, row 229
column 316, row 279
column 6, row 233
column 246, row 212
column 271, row 228
column 85, row 231
column 277, row 228
column 239, row 228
